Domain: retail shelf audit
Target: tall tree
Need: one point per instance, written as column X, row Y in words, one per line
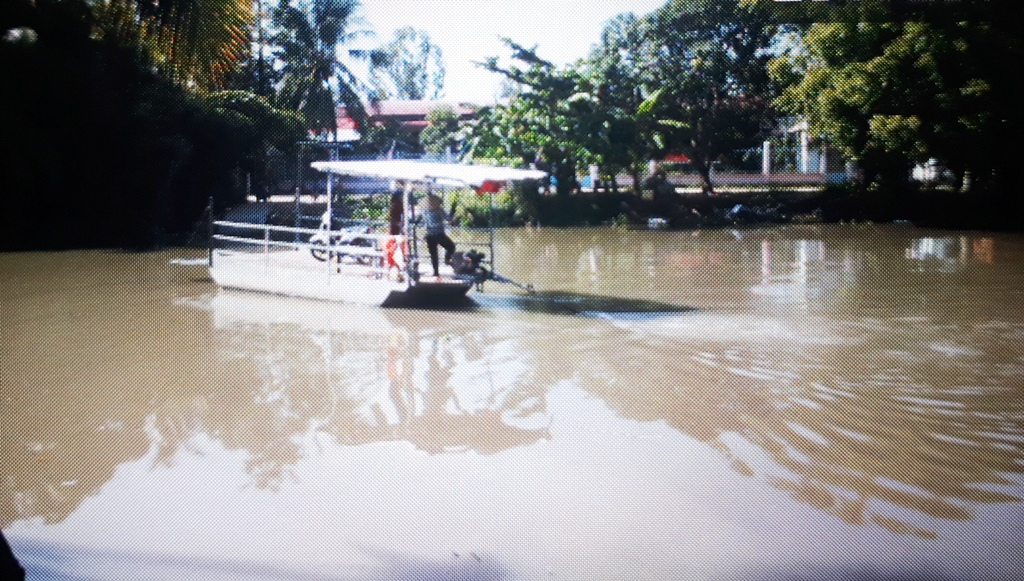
column 317, row 76
column 711, row 77
column 442, row 133
column 138, row 155
column 894, row 88
column 412, row 67
column 540, row 123
column 257, row 127
column 615, row 72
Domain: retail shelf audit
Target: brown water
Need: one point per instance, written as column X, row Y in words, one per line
column 799, row 403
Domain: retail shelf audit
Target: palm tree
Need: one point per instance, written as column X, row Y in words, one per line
column 195, row 42
column 316, row 76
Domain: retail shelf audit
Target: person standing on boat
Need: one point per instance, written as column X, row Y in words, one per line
column 433, row 219
column 395, row 246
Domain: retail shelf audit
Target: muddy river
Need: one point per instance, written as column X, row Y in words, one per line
column 810, row 402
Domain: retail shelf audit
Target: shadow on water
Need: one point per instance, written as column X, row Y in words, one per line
column 550, row 303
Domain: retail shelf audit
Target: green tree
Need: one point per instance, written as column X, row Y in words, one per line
column 413, row 67
column 442, row 133
column 388, row 136
column 615, row 73
column 99, row 143
column 257, row 127
column 711, row 74
column 197, row 43
column 893, row 89
column 310, row 36
column 539, row 124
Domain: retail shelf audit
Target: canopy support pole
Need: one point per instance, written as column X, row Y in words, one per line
column 330, row 226
column 490, row 223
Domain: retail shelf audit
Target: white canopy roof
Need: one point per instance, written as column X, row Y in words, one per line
column 471, row 175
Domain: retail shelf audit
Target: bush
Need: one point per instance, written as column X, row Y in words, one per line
column 106, row 152
column 474, row 210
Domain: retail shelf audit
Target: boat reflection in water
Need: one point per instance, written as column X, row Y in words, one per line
column 356, row 375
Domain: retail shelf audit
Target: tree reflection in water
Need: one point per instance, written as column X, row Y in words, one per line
column 871, row 422
column 442, row 383
column 890, row 419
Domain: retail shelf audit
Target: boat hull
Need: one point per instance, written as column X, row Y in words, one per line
column 290, row 274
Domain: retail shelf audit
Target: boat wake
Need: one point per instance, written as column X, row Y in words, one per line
column 580, row 304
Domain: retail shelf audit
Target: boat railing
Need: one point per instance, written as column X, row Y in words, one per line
column 247, row 238
column 230, row 238
column 267, row 239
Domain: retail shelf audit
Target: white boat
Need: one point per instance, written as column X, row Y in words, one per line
column 363, row 263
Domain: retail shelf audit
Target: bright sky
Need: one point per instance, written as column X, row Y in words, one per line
column 470, row 30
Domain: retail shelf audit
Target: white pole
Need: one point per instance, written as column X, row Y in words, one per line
column 766, row 158
column 412, row 262
column 330, row 216
column 330, row 226
column 803, row 151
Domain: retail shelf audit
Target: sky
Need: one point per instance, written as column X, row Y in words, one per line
column 470, row 30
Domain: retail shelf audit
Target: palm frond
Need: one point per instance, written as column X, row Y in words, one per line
column 198, row 41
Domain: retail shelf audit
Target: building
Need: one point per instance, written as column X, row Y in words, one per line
column 410, row 115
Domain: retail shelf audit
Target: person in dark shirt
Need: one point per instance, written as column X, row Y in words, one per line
column 433, row 220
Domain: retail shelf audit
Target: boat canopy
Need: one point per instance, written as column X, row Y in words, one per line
column 481, row 177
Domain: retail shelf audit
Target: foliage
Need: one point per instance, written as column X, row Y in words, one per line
column 621, row 221
column 442, row 132
column 582, row 114
column 615, row 71
column 257, row 127
column 691, row 78
column 711, row 73
column 102, row 149
column 472, row 210
column 194, row 42
column 540, row 124
column 413, row 67
column 892, row 92
column 390, row 136
column 256, row 120
column 309, row 40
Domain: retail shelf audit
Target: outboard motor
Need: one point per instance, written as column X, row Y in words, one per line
column 468, row 263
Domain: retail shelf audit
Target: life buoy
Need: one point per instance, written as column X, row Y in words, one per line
column 395, row 250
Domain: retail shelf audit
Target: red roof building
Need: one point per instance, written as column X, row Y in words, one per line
column 412, row 115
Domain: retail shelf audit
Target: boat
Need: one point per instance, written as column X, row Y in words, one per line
column 364, row 262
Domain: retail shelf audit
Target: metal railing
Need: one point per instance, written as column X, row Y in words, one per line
column 369, row 259
column 229, row 237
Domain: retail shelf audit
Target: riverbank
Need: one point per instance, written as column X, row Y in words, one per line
column 682, row 210
column 688, row 210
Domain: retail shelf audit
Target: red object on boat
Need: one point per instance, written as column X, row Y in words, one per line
column 489, row 187
column 393, row 245
column 676, row 158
